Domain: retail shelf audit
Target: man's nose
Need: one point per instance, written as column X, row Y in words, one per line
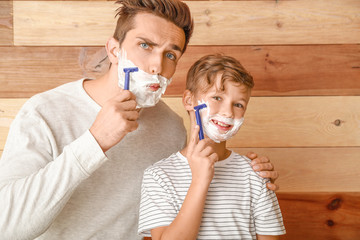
column 156, row 63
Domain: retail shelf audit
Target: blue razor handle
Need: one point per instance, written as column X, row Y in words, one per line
column 127, row 76
column 198, row 119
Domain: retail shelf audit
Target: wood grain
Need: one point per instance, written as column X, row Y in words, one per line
column 6, row 23
column 25, row 71
column 321, row 216
column 217, row 22
column 270, row 121
column 304, row 70
column 8, row 110
column 313, row 169
column 295, row 122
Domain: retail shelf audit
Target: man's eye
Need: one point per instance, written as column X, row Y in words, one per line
column 239, row 105
column 144, row 45
column 170, row 56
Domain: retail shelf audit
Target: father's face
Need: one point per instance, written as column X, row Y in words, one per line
column 154, row 44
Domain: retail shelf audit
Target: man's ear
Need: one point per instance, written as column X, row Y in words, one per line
column 187, row 100
column 112, row 49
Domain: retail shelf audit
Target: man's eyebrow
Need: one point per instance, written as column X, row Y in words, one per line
column 148, row 41
column 176, row 47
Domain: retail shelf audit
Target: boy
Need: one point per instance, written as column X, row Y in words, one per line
column 206, row 191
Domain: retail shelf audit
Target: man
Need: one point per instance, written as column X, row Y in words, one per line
column 74, row 157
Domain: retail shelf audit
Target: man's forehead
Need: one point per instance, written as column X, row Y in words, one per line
column 158, row 30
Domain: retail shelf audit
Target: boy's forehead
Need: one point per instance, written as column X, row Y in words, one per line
column 219, row 87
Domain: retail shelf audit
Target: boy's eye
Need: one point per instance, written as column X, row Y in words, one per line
column 217, row 98
column 171, row 56
column 239, row 105
column 144, row 45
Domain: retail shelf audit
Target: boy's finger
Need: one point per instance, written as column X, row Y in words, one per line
column 194, row 139
column 214, row 157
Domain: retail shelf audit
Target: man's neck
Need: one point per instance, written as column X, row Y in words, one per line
column 101, row 89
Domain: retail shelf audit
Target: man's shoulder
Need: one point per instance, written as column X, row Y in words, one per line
column 60, row 94
column 64, row 90
column 164, row 110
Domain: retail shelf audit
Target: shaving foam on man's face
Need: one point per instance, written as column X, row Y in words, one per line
column 147, row 88
column 219, row 128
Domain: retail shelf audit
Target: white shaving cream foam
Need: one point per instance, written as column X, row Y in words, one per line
column 212, row 131
column 140, row 81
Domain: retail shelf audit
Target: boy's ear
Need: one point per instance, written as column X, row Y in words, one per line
column 112, row 49
column 188, row 100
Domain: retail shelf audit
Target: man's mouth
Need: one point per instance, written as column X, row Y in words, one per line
column 221, row 125
column 153, row 87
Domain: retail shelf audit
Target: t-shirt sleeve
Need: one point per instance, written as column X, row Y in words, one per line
column 267, row 213
column 156, row 207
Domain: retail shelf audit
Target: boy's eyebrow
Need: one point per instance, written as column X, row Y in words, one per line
column 148, row 41
column 243, row 99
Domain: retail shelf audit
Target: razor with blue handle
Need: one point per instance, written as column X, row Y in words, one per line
column 198, row 119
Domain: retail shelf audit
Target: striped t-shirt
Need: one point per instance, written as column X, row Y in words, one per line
column 238, row 204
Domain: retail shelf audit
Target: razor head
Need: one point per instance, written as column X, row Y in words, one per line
column 127, row 76
column 200, row 106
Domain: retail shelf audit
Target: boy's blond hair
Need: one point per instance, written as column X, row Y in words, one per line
column 202, row 74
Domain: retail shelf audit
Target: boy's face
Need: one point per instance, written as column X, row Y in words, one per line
column 224, row 106
column 154, row 44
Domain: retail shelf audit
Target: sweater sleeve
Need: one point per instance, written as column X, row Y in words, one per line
column 34, row 184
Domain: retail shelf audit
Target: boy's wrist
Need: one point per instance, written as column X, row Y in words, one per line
column 200, row 184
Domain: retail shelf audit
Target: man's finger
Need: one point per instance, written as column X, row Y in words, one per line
column 272, row 186
column 273, row 175
column 258, row 160
column 263, row 167
column 251, row 155
column 124, row 95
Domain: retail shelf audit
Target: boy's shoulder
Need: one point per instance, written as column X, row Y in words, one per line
column 241, row 165
column 237, row 160
column 174, row 160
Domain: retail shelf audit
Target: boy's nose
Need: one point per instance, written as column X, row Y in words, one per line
column 227, row 111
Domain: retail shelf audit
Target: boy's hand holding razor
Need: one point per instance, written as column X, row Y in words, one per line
column 202, row 158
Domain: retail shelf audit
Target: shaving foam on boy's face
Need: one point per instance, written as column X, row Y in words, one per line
column 147, row 88
column 218, row 128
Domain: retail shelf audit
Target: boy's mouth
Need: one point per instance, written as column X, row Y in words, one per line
column 221, row 125
column 153, row 87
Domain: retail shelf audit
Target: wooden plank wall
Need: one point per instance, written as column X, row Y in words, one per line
column 305, row 109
